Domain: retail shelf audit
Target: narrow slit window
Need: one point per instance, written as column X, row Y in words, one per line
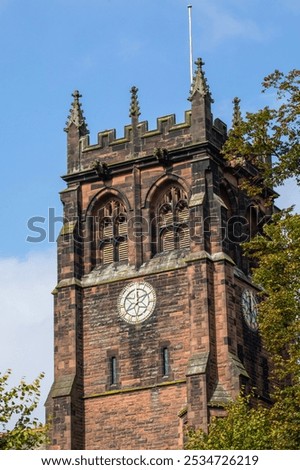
column 113, row 370
column 165, row 362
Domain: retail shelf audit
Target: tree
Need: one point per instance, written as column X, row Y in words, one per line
column 242, row 428
column 17, row 404
column 268, row 140
column 265, row 149
column 278, row 273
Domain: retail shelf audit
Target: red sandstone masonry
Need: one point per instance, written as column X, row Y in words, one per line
column 198, row 310
column 149, row 419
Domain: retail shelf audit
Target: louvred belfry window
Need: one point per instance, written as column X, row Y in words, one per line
column 113, row 232
column 173, row 220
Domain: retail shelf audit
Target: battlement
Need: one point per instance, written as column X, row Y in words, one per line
column 165, row 125
column 138, row 140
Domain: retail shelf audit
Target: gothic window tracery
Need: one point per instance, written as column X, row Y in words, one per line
column 173, row 220
column 113, row 232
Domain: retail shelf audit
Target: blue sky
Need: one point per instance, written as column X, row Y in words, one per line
column 103, row 47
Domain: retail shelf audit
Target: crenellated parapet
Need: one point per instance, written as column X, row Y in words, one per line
column 138, row 141
column 165, row 125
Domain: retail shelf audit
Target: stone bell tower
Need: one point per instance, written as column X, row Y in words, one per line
column 155, row 311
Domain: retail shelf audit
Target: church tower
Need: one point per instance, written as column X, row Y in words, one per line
column 155, row 311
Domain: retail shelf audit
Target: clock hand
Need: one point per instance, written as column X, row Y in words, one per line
column 137, row 297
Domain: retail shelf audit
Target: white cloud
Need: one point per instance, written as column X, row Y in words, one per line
column 26, row 322
column 219, row 23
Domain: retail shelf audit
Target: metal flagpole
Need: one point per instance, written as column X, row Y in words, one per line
column 190, row 41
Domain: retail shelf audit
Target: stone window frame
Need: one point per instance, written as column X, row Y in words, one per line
column 163, row 376
column 113, row 231
column 113, row 375
column 171, row 228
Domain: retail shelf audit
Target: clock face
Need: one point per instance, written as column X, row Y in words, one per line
column 136, row 302
column 249, row 309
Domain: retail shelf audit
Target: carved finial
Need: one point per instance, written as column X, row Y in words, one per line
column 237, row 116
column 134, row 105
column 76, row 115
column 199, row 62
column 199, row 84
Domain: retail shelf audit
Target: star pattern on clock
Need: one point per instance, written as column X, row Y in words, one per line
column 136, row 302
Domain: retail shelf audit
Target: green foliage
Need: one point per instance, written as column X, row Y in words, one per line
column 17, row 405
column 269, row 140
column 247, row 427
column 265, row 137
column 243, row 427
column 278, row 273
column 285, row 418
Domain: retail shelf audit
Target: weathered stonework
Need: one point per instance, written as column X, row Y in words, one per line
column 197, row 317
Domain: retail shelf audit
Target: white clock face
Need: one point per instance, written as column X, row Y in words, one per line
column 136, row 302
column 249, row 308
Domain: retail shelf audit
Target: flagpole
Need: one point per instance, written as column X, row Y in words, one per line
column 190, row 42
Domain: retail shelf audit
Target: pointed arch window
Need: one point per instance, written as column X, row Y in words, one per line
column 173, row 220
column 113, row 232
